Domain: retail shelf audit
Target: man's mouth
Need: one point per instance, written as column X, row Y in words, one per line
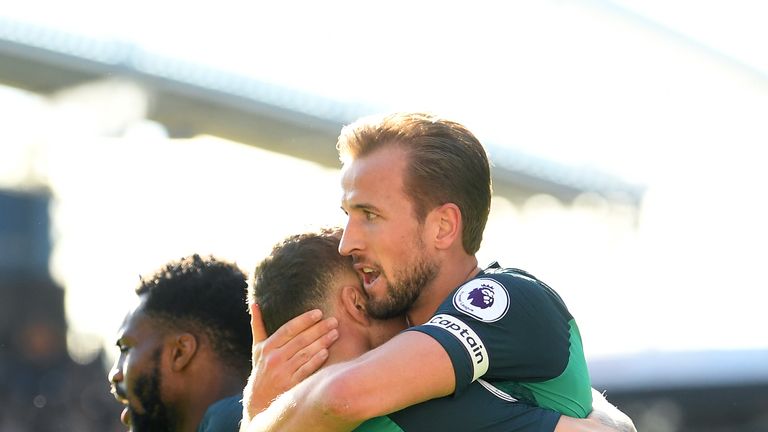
column 125, row 416
column 369, row 276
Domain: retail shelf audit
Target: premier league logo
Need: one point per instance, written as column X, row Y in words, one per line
column 481, row 296
column 484, row 299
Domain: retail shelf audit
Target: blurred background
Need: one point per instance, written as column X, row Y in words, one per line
column 628, row 139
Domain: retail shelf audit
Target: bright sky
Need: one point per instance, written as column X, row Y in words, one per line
column 496, row 65
column 584, row 82
column 735, row 28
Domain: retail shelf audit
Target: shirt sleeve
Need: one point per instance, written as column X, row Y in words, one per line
column 502, row 327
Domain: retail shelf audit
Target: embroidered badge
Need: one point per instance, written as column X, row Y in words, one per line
column 483, row 299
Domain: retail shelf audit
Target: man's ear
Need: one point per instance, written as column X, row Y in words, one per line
column 446, row 222
column 353, row 304
column 183, row 349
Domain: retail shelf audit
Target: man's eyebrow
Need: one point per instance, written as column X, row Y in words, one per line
column 365, row 206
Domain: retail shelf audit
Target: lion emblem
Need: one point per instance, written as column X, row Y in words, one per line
column 481, row 297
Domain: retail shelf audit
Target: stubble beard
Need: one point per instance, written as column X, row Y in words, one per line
column 403, row 291
column 156, row 416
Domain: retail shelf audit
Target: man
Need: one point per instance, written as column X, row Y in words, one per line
column 417, row 192
column 185, row 349
column 305, row 272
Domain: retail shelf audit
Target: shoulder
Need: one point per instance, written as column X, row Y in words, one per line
column 223, row 415
column 489, row 295
column 514, row 278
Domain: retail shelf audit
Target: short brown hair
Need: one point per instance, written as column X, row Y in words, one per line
column 447, row 164
column 298, row 276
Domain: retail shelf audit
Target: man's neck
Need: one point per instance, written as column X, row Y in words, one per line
column 451, row 275
column 205, row 391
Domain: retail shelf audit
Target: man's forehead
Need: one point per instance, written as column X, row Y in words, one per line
column 379, row 174
column 134, row 317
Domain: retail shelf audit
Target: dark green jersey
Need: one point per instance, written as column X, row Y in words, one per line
column 515, row 332
column 479, row 408
column 222, row 416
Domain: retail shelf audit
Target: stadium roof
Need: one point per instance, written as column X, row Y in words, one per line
column 191, row 98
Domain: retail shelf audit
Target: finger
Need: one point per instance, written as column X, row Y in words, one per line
column 288, row 331
column 311, row 366
column 258, row 330
column 304, row 340
column 306, row 354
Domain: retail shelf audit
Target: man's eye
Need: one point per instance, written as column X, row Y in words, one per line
column 123, row 348
column 370, row 216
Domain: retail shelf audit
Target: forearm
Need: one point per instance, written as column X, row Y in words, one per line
column 341, row 396
column 320, row 410
column 253, row 404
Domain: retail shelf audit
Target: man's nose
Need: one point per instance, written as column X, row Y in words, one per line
column 349, row 240
column 116, row 373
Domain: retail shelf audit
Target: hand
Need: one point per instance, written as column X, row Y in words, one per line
column 279, row 362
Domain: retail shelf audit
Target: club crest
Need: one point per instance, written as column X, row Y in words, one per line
column 483, row 299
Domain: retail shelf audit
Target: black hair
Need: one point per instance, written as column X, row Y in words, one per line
column 297, row 275
column 204, row 295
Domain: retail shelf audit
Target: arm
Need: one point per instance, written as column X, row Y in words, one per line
column 410, row 368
